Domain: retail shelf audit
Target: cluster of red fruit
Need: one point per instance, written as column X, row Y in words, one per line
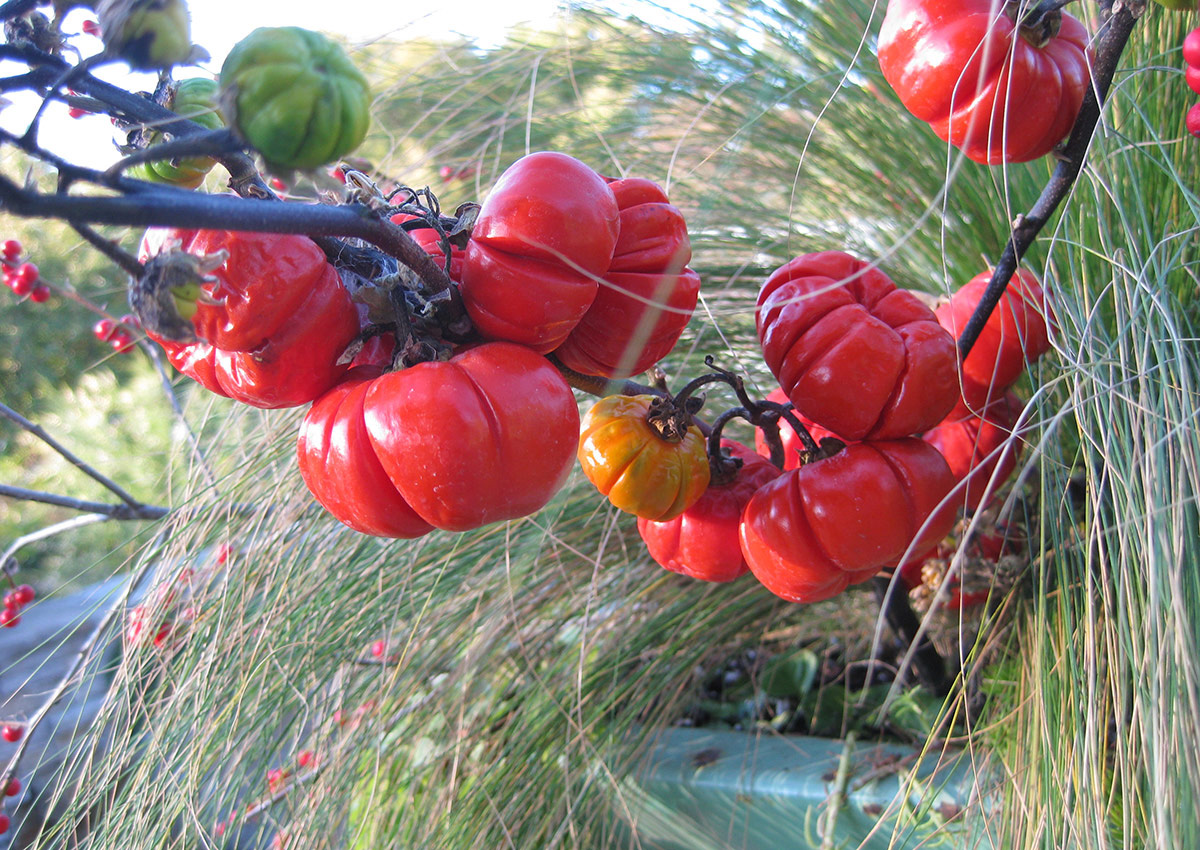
column 168, row 611
column 278, row 779
column 866, row 367
column 11, row 733
column 23, row 278
column 1191, row 56
column 14, row 601
column 119, row 334
column 594, row 271
column 12, row 787
column 10, row 616
column 560, row 260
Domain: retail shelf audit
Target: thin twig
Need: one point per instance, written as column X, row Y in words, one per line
column 122, row 512
column 118, row 255
column 155, row 355
column 168, row 206
column 15, row 8
column 927, row 662
column 1113, row 37
column 601, row 387
column 50, row 531
column 837, row 799
column 77, row 462
column 212, row 143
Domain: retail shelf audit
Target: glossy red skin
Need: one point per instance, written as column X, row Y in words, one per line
column 552, row 207
column 1192, row 120
column 489, row 435
column 1191, row 76
column 545, row 234
column 1191, row 48
column 632, row 191
column 284, row 320
column 338, row 463
column 981, row 450
column 1015, row 335
column 792, row 445
column 522, row 299
column 702, row 542
column 634, row 322
column 852, row 352
column 647, row 296
column 653, row 235
column 958, row 64
column 814, row 531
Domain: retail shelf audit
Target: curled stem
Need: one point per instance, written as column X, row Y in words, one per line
column 723, row 466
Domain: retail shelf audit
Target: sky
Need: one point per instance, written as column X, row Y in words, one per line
column 218, row 24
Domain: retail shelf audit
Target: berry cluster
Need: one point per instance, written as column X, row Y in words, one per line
column 10, row 732
column 1191, row 55
column 10, row 615
column 118, row 334
column 11, row 787
column 14, row 601
column 22, row 277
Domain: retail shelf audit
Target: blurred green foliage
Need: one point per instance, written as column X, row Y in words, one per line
column 107, row 408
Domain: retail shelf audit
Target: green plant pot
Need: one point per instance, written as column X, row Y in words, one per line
column 702, row 790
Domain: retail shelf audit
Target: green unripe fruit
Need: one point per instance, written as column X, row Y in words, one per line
column 194, row 99
column 295, row 97
column 148, row 34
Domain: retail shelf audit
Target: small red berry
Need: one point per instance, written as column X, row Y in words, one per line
column 219, row 830
column 27, row 272
column 11, row 732
column 10, row 600
column 378, row 648
column 12, row 250
column 1191, row 48
column 131, row 321
column 447, row 173
column 13, row 788
column 18, row 285
column 1192, row 77
column 40, row 294
column 164, row 631
column 103, row 329
column 306, row 758
column 92, row 28
column 1193, row 120
column 4, row 823
column 24, row 594
column 278, row 185
column 276, row 777
column 121, row 341
column 10, row 618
